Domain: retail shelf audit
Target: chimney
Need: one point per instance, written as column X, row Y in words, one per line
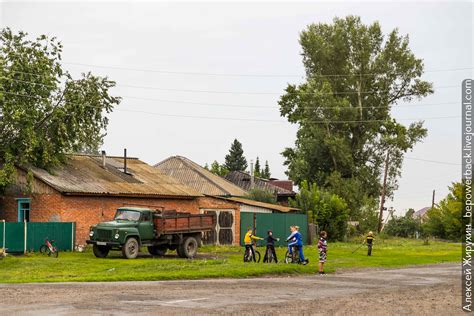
column 125, row 160
column 252, row 178
column 103, row 158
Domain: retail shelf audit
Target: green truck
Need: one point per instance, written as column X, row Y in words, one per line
column 158, row 230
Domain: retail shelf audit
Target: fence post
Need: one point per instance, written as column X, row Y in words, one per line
column 72, row 236
column 4, row 236
column 25, row 236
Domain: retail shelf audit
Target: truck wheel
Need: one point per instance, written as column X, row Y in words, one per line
column 189, row 247
column 100, row 251
column 130, row 249
column 157, row 250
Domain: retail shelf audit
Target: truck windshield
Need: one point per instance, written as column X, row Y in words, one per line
column 127, row 215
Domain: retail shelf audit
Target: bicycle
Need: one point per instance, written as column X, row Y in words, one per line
column 49, row 248
column 248, row 255
column 294, row 257
column 269, row 257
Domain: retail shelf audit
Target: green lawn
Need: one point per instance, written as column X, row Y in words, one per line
column 217, row 262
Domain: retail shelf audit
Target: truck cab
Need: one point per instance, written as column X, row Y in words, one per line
column 159, row 231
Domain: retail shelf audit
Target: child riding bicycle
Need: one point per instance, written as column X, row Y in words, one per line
column 296, row 240
column 270, row 247
column 248, row 241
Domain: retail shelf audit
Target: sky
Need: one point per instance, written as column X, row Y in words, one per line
column 194, row 76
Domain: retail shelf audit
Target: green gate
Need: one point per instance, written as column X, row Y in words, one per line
column 279, row 223
column 29, row 236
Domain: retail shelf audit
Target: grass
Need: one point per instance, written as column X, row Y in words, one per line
column 218, row 262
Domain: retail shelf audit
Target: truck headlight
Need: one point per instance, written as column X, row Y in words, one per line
column 117, row 236
column 91, row 233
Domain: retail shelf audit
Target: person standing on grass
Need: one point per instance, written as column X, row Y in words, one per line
column 271, row 246
column 322, row 248
column 369, row 241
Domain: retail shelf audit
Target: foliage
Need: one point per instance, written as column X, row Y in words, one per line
column 445, row 219
column 355, row 75
column 74, row 266
column 261, row 196
column 403, row 226
column 45, row 113
column 265, row 174
column 328, row 210
column 218, row 169
column 235, row 160
column 257, row 171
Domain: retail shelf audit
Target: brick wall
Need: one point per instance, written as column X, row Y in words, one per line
column 89, row 210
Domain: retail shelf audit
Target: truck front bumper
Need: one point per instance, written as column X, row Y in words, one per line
column 103, row 243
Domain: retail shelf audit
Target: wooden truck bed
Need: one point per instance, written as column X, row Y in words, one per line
column 178, row 223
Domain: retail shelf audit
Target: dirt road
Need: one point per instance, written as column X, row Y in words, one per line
column 429, row 290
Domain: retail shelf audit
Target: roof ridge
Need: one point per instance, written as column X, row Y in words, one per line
column 188, row 161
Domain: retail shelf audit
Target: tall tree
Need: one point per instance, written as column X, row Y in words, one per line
column 218, row 169
column 257, row 172
column 45, row 112
column 266, row 171
column 235, row 160
column 354, row 75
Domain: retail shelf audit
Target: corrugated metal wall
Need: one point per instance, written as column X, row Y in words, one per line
column 64, row 235
column 279, row 223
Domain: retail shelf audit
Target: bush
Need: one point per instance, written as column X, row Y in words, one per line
column 403, row 226
column 327, row 210
column 261, row 196
column 445, row 220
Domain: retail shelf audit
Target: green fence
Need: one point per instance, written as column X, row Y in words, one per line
column 21, row 237
column 277, row 222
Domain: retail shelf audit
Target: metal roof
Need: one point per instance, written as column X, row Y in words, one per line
column 193, row 175
column 85, row 175
column 273, row 207
column 242, row 179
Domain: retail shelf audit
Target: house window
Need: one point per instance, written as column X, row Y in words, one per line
column 23, row 210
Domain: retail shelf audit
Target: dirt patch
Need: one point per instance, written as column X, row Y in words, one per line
column 424, row 290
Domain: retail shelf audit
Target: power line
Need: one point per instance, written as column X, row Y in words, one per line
column 250, row 119
column 246, row 75
column 254, row 106
column 434, row 161
column 226, row 92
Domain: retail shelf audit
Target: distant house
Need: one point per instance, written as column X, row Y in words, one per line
column 422, row 213
column 89, row 188
column 283, row 189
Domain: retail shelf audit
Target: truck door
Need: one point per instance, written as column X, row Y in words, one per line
column 145, row 227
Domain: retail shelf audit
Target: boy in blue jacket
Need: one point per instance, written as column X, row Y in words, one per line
column 296, row 240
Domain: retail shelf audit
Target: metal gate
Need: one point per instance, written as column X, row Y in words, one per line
column 223, row 234
column 29, row 236
column 278, row 223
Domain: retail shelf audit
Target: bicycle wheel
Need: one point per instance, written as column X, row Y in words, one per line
column 54, row 253
column 43, row 249
column 270, row 257
column 257, row 256
column 246, row 255
column 288, row 257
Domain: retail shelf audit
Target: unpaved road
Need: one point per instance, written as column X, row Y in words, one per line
column 425, row 290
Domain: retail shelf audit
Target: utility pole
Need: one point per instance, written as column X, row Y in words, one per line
column 384, row 190
column 432, row 199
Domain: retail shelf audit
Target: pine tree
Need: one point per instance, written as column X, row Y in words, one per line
column 257, row 171
column 235, row 160
column 266, row 172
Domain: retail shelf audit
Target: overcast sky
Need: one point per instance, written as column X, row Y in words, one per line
column 219, row 60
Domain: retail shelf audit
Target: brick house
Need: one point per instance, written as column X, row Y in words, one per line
column 88, row 189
